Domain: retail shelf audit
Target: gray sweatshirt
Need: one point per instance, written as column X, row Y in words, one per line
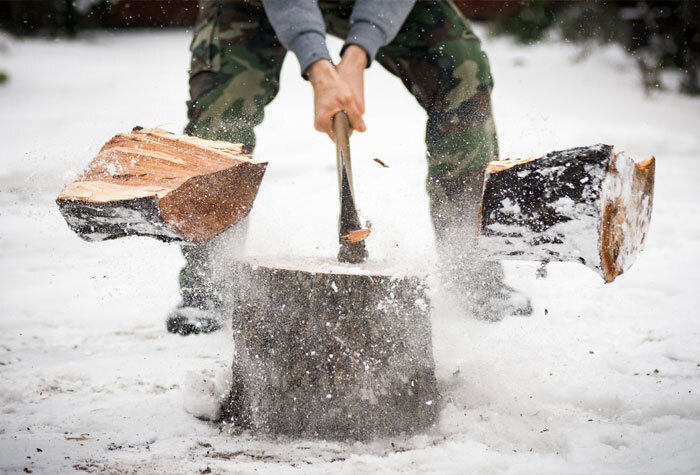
column 300, row 28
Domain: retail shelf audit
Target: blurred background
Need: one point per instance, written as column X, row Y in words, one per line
column 662, row 35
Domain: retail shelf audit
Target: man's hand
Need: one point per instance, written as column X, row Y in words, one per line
column 352, row 70
column 333, row 94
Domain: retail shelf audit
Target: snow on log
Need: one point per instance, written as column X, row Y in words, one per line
column 585, row 204
column 154, row 183
column 330, row 350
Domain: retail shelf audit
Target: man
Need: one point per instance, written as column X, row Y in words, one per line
column 237, row 54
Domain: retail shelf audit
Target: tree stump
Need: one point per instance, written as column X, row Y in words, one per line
column 585, row 204
column 153, row 183
column 328, row 350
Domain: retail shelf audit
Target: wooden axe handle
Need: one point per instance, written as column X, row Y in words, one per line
column 353, row 252
column 341, row 129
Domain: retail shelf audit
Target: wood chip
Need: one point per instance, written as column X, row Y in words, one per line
column 357, row 235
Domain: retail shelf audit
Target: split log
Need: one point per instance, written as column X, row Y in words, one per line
column 585, row 204
column 154, row 183
column 329, row 350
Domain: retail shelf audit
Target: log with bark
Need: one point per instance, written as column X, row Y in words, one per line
column 154, row 183
column 330, row 350
column 585, row 204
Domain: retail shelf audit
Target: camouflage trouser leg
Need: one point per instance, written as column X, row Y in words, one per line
column 196, row 279
column 234, row 74
column 439, row 59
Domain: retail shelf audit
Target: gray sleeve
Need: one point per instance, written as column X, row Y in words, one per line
column 375, row 23
column 300, row 28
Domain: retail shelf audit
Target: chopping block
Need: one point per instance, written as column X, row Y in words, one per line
column 330, row 350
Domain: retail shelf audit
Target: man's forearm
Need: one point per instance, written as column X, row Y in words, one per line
column 300, row 28
column 374, row 24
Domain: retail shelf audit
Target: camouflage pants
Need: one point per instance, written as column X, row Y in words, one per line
column 235, row 71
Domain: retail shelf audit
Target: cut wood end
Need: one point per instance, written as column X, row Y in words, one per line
column 193, row 188
column 357, row 235
column 628, row 192
column 647, row 166
column 204, row 206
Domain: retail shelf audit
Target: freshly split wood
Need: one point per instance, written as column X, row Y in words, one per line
column 585, row 204
column 154, row 183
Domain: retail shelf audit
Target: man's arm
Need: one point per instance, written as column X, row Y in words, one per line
column 374, row 24
column 300, row 28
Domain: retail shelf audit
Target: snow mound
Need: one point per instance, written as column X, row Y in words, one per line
column 203, row 396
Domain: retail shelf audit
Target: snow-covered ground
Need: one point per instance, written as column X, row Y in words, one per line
column 602, row 378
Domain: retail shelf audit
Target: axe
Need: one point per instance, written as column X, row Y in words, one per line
column 352, row 246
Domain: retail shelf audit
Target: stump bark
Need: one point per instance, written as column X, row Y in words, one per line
column 153, row 183
column 585, row 204
column 326, row 350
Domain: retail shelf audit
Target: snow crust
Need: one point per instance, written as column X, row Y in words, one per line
column 601, row 379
